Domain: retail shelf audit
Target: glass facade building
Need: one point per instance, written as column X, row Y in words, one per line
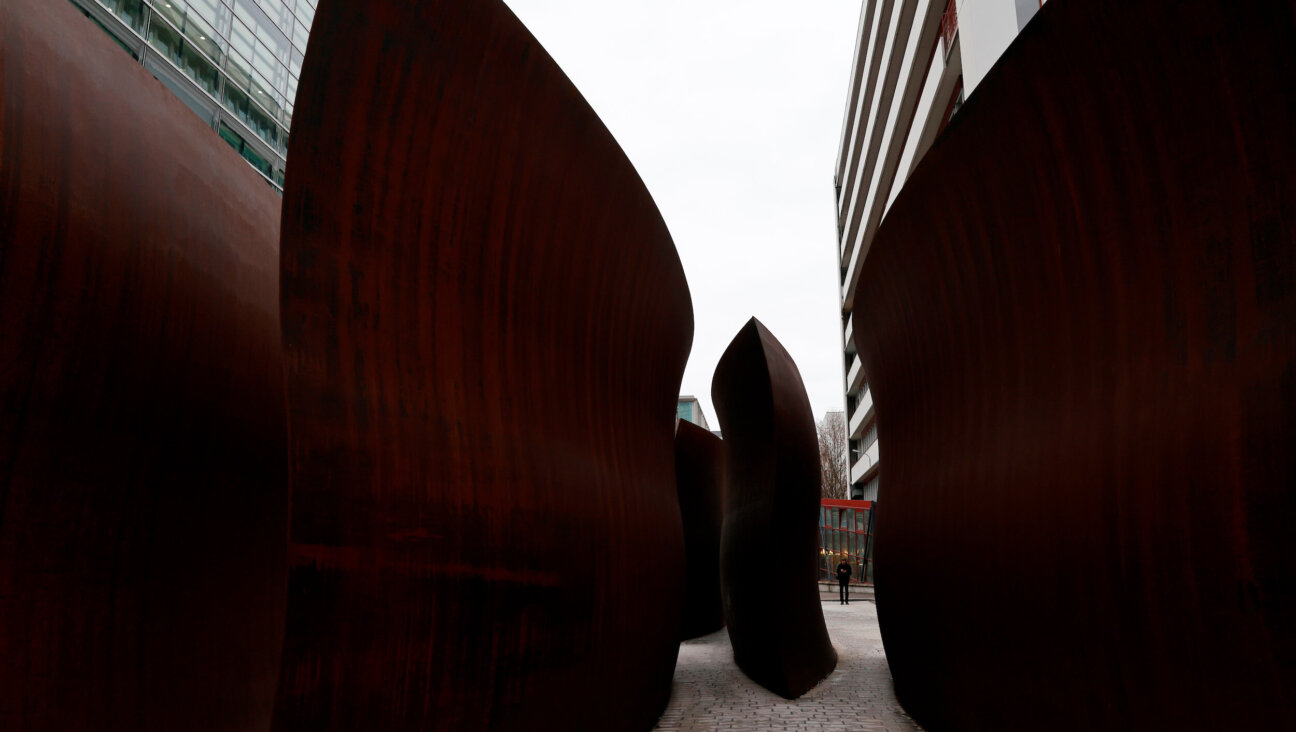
column 846, row 532
column 235, row 63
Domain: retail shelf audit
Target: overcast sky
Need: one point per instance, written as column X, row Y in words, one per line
column 731, row 112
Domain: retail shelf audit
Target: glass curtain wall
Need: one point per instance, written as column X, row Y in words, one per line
column 244, row 55
column 846, row 533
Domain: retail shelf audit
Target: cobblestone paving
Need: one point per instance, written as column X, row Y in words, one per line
column 710, row 693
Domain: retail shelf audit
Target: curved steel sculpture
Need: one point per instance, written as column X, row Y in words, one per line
column 486, row 323
column 699, row 478
column 769, row 548
column 143, row 476
column 1079, row 321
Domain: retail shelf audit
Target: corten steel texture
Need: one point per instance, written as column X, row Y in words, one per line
column 143, row 457
column 485, row 323
column 699, row 478
column 769, row 547
column 1079, row 322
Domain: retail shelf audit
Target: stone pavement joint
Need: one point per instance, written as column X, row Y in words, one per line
column 711, row 693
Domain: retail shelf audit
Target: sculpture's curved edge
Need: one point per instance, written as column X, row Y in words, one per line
column 485, row 316
column 699, row 479
column 1084, row 375
column 143, row 529
column 772, row 486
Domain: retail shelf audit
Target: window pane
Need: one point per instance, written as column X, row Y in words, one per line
column 201, row 35
column 278, row 12
column 237, row 71
column 165, row 40
column 301, row 33
column 269, row 68
column 241, row 39
column 251, row 115
column 173, row 12
column 198, row 68
column 257, row 161
column 130, row 12
column 231, row 137
column 213, row 11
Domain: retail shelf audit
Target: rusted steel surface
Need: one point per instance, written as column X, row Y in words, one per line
column 143, row 476
column 1079, row 323
column 699, row 479
column 769, row 547
column 485, row 323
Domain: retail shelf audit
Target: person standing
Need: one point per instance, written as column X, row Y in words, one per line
column 843, row 581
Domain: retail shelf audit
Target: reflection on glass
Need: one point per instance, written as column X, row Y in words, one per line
column 181, row 51
column 237, row 72
column 172, row 11
column 199, row 68
column 241, row 105
column 241, row 39
column 270, row 69
column 130, row 12
column 231, row 137
column 201, row 35
column 245, row 150
column 264, row 98
column 257, row 161
column 301, row 32
column 166, row 40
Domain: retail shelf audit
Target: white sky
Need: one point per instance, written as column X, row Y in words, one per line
column 731, row 112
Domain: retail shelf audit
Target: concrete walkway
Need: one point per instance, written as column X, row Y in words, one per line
column 710, row 693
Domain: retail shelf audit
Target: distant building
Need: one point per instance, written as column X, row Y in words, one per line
column 689, row 408
column 235, row 63
column 846, row 535
column 915, row 63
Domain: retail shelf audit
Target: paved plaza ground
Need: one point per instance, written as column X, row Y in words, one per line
column 710, row 693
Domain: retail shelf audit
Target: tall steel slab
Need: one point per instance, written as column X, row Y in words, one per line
column 485, row 323
column 143, row 455
column 1079, row 320
column 699, row 478
column 769, row 544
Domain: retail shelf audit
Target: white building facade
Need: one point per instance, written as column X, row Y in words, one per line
column 915, row 62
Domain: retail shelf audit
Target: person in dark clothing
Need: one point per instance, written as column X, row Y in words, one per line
column 843, row 581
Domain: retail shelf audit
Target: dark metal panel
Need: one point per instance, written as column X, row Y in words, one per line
column 769, row 549
column 699, row 477
column 486, row 323
column 143, row 475
column 1079, row 321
